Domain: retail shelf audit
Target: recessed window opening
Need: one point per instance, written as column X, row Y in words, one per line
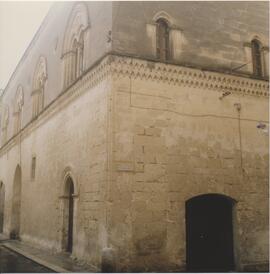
column 16, row 205
column 162, row 40
column 68, row 215
column 33, row 168
column 257, row 57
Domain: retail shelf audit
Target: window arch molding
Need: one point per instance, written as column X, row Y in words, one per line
column 163, row 49
column 163, row 15
column 263, row 40
column 40, row 73
column 164, row 26
column 38, row 86
column 78, row 21
column 66, row 174
column 5, row 122
column 257, row 57
column 19, row 99
column 257, row 53
column 68, row 182
column 74, row 43
column 18, row 105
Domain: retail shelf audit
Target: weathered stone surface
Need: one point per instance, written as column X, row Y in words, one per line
column 139, row 138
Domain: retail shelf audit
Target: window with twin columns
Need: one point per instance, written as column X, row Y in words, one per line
column 75, row 44
column 39, row 82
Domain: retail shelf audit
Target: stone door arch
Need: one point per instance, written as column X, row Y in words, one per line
column 209, row 233
column 68, row 215
column 16, row 204
column 2, row 206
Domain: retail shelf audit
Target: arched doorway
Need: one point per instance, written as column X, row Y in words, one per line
column 16, row 204
column 2, row 205
column 68, row 215
column 209, row 233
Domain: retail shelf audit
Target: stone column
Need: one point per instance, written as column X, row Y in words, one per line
column 16, row 116
column 73, row 66
column 68, row 68
column 79, row 60
column 40, row 99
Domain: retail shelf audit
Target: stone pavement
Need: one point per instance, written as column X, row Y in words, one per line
column 12, row 262
column 58, row 262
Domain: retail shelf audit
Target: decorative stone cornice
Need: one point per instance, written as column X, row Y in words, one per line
column 116, row 66
column 183, row 76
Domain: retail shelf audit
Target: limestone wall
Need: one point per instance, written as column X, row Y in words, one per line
column 210, row 35
column 173, row 139
column 68, row 138
column 139, row 139
column 49, row 43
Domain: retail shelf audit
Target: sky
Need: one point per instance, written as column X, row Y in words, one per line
column 19, row 22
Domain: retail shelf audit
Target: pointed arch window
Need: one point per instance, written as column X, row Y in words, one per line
column 76, row 60
column 75, row 44
column 18, row 104
column 5, row 122
column 79, row 55
column 39, row 81
column 256, row 49
column 162, row 39
column 73, row 62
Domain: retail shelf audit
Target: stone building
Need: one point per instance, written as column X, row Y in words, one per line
column 134, row 136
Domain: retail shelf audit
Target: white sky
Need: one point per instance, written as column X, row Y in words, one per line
column 19, row 22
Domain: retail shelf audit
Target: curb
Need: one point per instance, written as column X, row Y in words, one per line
column 36, row 259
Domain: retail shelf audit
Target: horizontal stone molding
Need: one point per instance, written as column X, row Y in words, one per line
column 120, row 66
column 183, row 76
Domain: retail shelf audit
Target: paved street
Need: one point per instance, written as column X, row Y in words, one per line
column 13, row 262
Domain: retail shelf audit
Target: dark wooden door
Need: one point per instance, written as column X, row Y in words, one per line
column 209, row 234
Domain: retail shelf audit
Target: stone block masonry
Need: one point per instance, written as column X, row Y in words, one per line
column 138, row 145
column 176, row 141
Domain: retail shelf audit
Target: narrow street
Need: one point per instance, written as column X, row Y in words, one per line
column 16, row 263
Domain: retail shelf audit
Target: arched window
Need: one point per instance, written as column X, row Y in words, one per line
column 5, row 124
column 68, row 214
column 39, row 81
column 79, row 55
column 74, row 44
column 257, row 57
column 73, row 65
column 162, row 40
column 18, row 104
column 16, row 204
